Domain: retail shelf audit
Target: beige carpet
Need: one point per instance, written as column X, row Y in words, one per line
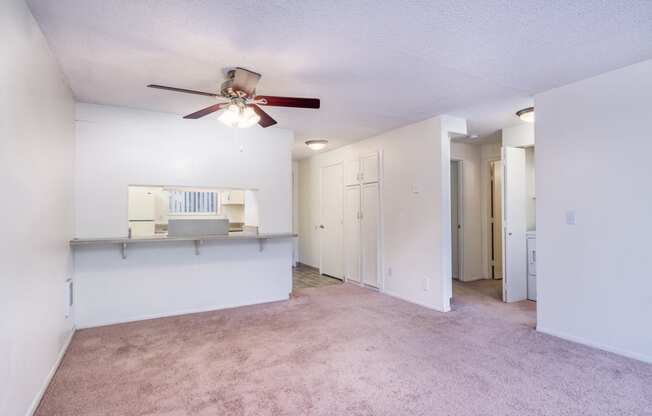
column 344, row 350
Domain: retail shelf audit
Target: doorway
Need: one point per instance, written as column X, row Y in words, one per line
column 495, row 220
column 519, row 224
column 456, row 220
column 331, row 225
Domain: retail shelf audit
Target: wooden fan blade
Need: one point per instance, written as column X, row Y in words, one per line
column 206, row 111
column 265, row 119
column 163, row 87
column 289, row 101
column 245, row 80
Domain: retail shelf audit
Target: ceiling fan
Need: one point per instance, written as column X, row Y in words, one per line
column 242, row 104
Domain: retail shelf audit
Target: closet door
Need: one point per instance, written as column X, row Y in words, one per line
column 351, row 172
column 352, row 233
column 369, row 233
column 369, row 168
column 514, row 224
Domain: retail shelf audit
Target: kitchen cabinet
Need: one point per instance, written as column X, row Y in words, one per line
column 234, row 197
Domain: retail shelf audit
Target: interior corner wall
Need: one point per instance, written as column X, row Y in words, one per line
column 36, row 166
column 416, row 175
column 592, row 158
column 472, row 233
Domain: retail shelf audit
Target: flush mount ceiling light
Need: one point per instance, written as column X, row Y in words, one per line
column 526, row 114
column 317, row 144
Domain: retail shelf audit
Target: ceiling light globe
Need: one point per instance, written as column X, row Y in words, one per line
column 317, row 144
column 526, row 114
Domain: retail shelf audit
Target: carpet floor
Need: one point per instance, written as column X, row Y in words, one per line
column 344, row 350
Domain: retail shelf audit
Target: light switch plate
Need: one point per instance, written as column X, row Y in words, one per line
column 416, row 189
column 571, row 217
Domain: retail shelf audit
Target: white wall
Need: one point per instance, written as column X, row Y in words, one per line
column 119, row 146
column 593, row 149
column 416, row 243
column 471, row 196
column 521, row 135
column 36, row 167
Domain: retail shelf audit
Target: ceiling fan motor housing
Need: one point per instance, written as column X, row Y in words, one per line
column 227, row 89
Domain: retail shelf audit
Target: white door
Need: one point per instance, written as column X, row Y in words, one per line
column 455, row 220
column 351, row 172
column 331, row 221
column 352, row 233
column 496, row 218
column 370, row 233
column 369, row 168
column 514, row 225
column 532, row 268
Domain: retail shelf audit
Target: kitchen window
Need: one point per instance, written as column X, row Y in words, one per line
column 193, row 202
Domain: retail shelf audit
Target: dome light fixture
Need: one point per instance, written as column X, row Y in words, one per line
column 526, row 114
column 317, row 144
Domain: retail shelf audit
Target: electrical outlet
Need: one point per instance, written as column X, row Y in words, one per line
column 389, row 271
column 426, row 284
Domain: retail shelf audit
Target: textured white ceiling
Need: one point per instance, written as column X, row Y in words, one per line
column 375, row 65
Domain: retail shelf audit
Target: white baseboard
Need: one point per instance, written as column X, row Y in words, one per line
column 600, row 346
column 53, row 370
column 84, row 325
column 397, row 296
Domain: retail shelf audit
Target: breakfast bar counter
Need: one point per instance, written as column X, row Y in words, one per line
column 167, row 275
column 197, row 239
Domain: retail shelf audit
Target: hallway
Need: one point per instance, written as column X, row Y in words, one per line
column 485, row 296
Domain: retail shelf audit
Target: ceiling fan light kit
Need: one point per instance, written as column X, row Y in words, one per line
column 242, row 104
column 239, row 116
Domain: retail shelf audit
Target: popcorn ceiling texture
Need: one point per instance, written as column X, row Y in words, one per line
column 345, row 350
column 375, row 65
